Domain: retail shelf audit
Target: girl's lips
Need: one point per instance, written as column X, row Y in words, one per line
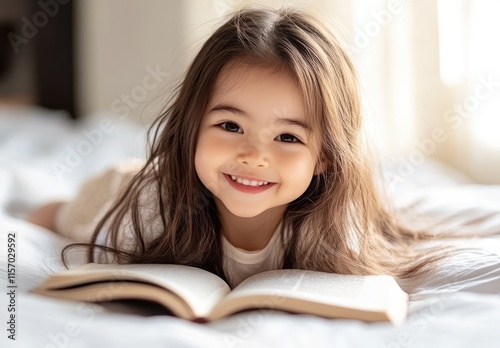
column 247, row 189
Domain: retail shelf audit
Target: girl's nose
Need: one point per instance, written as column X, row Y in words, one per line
column 253, row 155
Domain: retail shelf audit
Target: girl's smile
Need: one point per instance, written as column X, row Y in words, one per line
column 247, row 186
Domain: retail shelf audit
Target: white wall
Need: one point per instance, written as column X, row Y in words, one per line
column 120, row 43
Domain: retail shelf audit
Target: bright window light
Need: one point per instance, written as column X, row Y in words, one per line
column 484, row 56
column 451, row 46
column 485, row 130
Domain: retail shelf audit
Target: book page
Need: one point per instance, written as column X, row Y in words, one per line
column 199, row 288
column 336, row 289
column 369, row 298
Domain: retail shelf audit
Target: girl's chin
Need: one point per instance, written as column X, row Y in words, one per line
column 244, row 213
column 242, row 210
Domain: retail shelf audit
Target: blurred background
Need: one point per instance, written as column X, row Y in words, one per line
column 429, row 69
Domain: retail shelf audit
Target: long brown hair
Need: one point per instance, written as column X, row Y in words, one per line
column 342, row 222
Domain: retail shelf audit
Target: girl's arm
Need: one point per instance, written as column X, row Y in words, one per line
column 77, row 218
column 45, row 215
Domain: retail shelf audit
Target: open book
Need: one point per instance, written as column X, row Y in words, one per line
column 197, row 295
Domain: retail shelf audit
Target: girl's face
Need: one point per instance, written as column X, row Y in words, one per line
column 255, row 131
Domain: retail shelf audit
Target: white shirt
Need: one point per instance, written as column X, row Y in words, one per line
column 240, row 264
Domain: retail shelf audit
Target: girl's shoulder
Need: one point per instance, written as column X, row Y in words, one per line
column 120, row 172
column 112, row 179
column 77, row 218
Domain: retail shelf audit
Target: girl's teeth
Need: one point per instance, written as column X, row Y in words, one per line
column 248, row 182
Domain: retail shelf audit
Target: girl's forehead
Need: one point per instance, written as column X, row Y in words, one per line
column 242, row 77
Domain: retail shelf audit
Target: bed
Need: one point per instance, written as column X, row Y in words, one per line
column 43, row 157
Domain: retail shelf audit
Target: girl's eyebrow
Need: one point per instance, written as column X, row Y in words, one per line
column 236, row 111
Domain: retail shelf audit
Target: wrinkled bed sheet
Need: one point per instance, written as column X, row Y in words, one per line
column 458, row 305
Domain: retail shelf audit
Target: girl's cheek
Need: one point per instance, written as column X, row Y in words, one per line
column 295, row 159
column 294, row 152
column 221, row 145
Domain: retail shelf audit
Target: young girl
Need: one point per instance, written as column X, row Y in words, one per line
column 258, row 163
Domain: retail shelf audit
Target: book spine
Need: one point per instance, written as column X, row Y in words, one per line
column 200, row 320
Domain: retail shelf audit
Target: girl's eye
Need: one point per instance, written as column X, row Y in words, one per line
column 288, row 138
column 234, row 128
column 230, row 126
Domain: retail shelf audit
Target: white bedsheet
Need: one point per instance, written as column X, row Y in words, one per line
column 458, row 306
